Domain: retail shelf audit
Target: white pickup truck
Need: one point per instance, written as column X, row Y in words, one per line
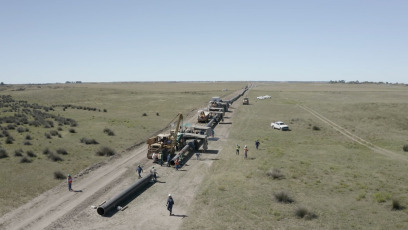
column 280, row 125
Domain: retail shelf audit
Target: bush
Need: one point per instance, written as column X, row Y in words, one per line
column 46, row 151
column 21, row 129
column 72, row 130
column 304, row 213
column 89, row 141
column 105, row 151
column 27, row 143
column 59, row 129
column 144, row 114
column 109, row 132
column 405, row 148
column 275, row 174
column 25, row 160
column 396, row 205
column 28, row 137
column 59, row 175
column 157, row 114
column 104, row 110
column 18, row 153
column 31, row 153
column 62, row 151
column 47, row 135
column 54, row 157
column 283, row 197
column 9, row 140
column 3, row 153
column 54, row 132
column 316, row 128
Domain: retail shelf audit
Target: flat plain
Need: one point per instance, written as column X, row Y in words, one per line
column 341, row 165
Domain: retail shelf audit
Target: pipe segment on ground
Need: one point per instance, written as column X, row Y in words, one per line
column 115, row 201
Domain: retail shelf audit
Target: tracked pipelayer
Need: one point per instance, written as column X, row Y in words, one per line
column 192, row 140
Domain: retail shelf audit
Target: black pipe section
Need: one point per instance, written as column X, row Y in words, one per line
column 115, row 201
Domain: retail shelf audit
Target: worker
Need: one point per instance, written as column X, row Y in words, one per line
column 198, row 155
column 139, row 170
column 168, row 159
column 69, row 183
column 177, row 163
column 153, row 171
column 237, row 151
column 245, row 152
column 161, row 159
column 169, row 204
column 257, row 144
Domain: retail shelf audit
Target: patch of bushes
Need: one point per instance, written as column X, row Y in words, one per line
column 31, row 153
column 144, row 114
column 316, row 128
column 28, row 137
column 104, row 110
column 283, row 197
column 405, row 148
column 105, row 151
column 54, row 132
column 62, row 151
column 46, row 151
column 304, row 213
column 54, row 157
column 21, row 129
column 25, row 160
column 3, row 153
column 89, row 141
column 275, row 174
column 9, row 140
column 72, row 130
column 59, row 175
column 109, row 132
column 27, row 143
column 18, row 153
column 47, row 135
column 157, row 114
column 396, row 205
column 381, row 197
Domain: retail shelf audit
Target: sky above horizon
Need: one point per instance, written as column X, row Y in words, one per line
column 225, row 40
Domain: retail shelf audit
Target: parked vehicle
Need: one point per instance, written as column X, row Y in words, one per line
column 245, row 101
column 280, row 125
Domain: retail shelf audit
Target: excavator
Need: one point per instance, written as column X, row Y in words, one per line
column 164, row 143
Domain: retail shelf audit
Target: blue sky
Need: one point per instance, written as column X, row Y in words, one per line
column 213, row 40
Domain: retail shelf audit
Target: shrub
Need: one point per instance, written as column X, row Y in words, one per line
column 18, row 153
column 104, row 110
column 405, row 148
column 54, row 157
column 105, row 151
column 275, row 174
column 109, row 132
column 31, row 153
column 47, row 135
column 46, row 151
column 59, row 129
column 27, row 143
column 72, row 130
column 381, row 197
column 304, row 213
column 25, row 160
column 9, row 140
column 283, row 197
column 28, row 137
column 89, row 141
column 396, row 205
column 316, row 128
column 144, row 114
column 62, row 151
column 3, row 153
column 54, row 132
column 59, row 175
column 21, row 129
column 157, row 114
column 11, row 127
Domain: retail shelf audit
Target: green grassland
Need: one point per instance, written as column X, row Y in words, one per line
column 341, row 184
column 118, row 107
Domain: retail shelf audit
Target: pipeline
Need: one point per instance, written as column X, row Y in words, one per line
column 115, row 201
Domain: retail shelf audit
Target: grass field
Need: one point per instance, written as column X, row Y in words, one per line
column 119, row 107
column 329, row 180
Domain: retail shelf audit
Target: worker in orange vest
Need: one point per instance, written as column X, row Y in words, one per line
column 69, row 182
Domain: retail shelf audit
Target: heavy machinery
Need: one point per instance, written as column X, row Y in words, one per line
column 164, row 143
column 203, row 116
column 245, row 101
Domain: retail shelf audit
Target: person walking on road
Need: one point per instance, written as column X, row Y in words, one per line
column 69, row 183
column 257, row 144
column 153, row 171
column 170, row 203
column 237, row 151
column 168, row 159
column 198, row 155
column 139, row 170
column 245, row 152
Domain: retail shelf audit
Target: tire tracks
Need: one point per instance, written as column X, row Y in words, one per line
column 353, row 137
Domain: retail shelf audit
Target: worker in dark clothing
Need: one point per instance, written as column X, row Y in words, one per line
column 168, row 160
column 139, row 170
column 170, row 203
column 256, row 144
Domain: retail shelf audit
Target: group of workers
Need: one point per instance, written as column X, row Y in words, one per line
column 246, row 149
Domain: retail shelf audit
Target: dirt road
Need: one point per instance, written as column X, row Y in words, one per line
column 60, row 209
